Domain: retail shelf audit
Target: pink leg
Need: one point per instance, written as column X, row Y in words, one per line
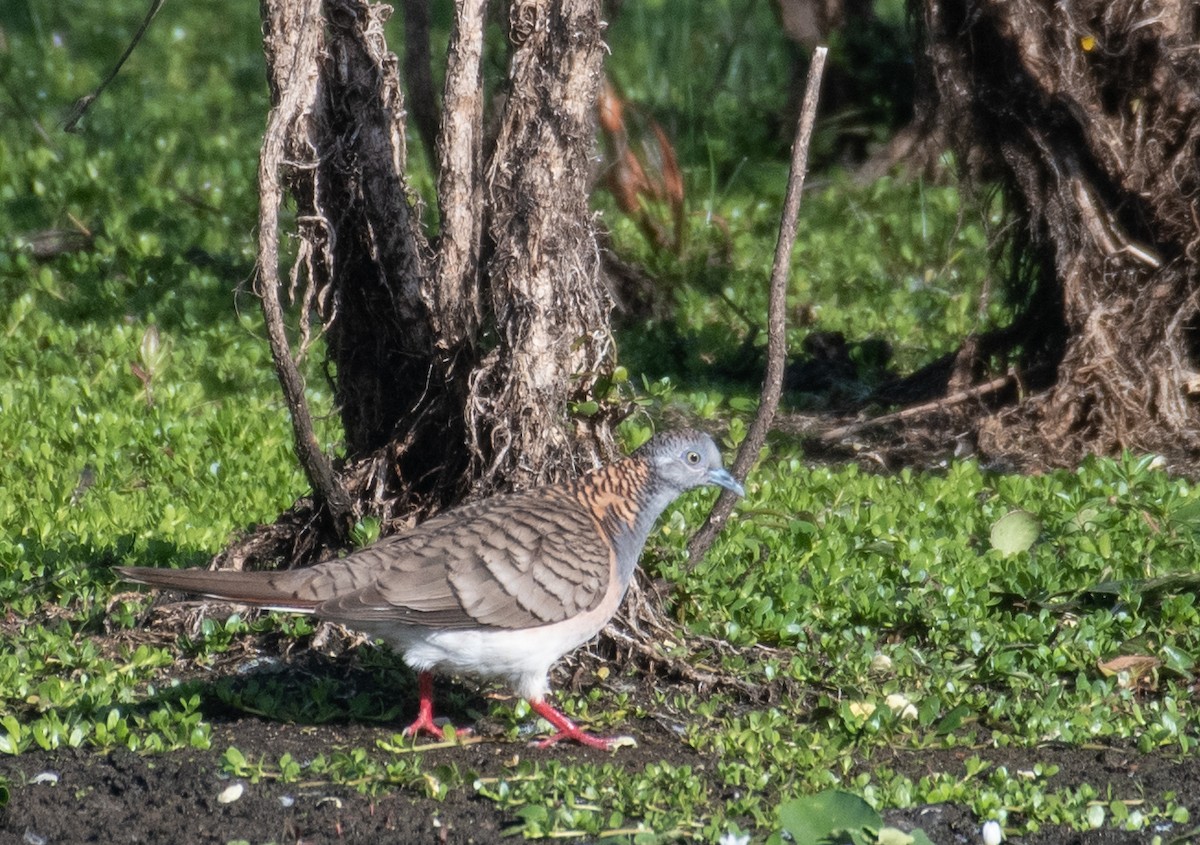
column 424, row 723
column 566, row 729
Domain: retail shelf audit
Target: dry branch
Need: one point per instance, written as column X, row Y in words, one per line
column 914, row 411
column 456, row 279
column 81, row 106
column 776, row 338
column 297, row 39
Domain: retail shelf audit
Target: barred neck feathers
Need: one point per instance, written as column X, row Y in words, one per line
column 626, row 500
column 628, row 497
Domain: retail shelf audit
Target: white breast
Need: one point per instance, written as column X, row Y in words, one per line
column 522, row 658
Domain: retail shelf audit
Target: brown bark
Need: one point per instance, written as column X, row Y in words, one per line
column 549, row 306
column 291, row 44
column 376, row 323
column 361, row 248
column 425, row 419
column 1088, row 113
column 459, row 274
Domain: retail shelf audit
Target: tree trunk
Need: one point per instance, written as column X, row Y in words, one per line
column 1087, row 112
column 454, row 359
column 550, row 310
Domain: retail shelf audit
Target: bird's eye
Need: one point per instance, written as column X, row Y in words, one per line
column 693, row 457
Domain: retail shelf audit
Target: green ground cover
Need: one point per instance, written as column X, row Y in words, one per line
column 954, row 608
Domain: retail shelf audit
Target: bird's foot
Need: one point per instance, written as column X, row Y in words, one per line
column 604, row 743
column 435, row 728
column 566, row 729
column 425, row 723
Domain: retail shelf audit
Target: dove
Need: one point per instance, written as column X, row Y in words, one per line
column 500, row 588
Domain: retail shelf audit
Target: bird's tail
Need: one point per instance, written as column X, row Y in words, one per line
column 275, row 590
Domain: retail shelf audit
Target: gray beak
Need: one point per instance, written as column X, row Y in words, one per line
column 722, row 478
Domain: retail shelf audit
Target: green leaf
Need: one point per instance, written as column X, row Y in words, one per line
column 1177, row 659
column 234, row 762
column 1015, row 532
column 815, row 819
column 365, row 532
column 1085, row 519
column 896, row 836
column 1187, row 515
column 952, row 721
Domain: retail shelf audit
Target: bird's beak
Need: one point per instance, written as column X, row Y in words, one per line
column 724, row 479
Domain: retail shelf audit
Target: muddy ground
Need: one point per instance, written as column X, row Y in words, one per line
column 74, row 796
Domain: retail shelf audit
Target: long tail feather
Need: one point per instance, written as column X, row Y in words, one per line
column 263, row 589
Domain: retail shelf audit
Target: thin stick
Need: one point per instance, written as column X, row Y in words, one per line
column 294, row 101
column 459, row 162
column 998, row 383
column 772, row 386
column 84, row 103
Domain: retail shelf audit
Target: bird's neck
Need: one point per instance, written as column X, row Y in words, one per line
column 627, row 503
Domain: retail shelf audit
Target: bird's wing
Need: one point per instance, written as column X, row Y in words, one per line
column 516, row 561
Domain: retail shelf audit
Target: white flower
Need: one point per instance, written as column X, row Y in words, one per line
column 899, row 704
column 992, row 834
column 730, row 837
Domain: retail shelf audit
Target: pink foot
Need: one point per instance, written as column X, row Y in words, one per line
column 566, row 729
column 424, row 723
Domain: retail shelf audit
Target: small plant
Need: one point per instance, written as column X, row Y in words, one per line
column 839, row 817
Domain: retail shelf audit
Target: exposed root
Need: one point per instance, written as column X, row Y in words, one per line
column 1087, row 114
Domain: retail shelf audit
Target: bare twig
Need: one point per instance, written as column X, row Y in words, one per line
column 85, row 102
column 295, row 100
column 460, row 179
column 776, row 340
column 941, row 403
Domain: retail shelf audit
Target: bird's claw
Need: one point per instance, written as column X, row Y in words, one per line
column 603, row 743
column 439, row 729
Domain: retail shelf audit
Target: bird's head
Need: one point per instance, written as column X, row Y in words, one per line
column 685, row 459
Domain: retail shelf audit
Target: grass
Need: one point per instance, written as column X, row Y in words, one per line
column 888, row 599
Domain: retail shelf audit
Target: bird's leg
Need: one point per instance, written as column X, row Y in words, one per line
column 566, row 729
column 424, row 722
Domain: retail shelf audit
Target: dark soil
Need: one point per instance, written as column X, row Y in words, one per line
column 172, row 798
